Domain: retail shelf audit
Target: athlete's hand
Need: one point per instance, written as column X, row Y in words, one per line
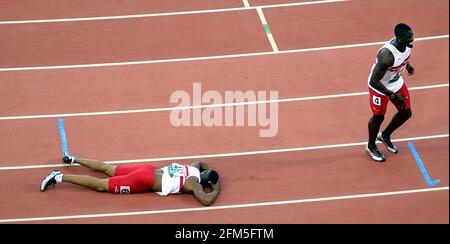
column 215, row 186
column 398, row 100
column 410, row 69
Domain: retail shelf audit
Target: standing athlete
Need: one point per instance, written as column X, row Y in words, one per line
column 386, row 83
column 136, row 178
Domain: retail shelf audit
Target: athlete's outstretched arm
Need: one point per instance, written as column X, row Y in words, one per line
column 205, row 198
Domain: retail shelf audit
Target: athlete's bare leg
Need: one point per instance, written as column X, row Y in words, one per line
column 87, row 181
column 398, row 120
column 374, row 127
column 97, row 165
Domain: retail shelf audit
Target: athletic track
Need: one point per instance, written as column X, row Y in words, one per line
column 108, row 69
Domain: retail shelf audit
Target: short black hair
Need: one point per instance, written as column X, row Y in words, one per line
column 401, row 29
column 209, row 176
column 213, row 176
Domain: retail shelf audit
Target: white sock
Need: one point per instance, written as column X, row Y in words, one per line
column 58, row 178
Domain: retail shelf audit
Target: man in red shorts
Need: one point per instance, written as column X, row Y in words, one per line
column 138, row 178
column 386, row 83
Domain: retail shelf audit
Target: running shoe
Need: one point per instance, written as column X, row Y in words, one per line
column 387, row 142
column 49, row 180
column 375, row 154
column 69, row 159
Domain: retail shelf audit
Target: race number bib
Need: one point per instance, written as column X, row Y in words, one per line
column 124, row 190
column 376, row 100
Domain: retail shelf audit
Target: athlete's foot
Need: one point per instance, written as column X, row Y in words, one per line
column 49, row 180
column 375, row 154
column 386, row 140
column 69, row 159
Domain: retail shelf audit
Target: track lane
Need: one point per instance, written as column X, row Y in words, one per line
column 407, row 209
column 271, row 2
column 333, row 172
column 291, row 31
column 116, row 42
column 150, row 86
column 35, row 9
column 149, row 38
column 134, row 136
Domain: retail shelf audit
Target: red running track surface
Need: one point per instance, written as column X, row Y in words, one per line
column 265, row 178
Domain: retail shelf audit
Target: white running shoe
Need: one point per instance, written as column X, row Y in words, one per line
column 375, row 154
column 49, row 180
column 387, row 142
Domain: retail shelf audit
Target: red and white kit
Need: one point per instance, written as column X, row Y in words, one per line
column 174, row 177
column 392, row 80
column 132, row 178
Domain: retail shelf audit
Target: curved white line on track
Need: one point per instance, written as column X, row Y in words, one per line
column 221, row 155
column 211, row 57
column 149, row 110
column 235, row 206
column 15, row 22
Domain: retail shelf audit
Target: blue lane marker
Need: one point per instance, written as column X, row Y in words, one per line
column 62, row 136
column 422, row 166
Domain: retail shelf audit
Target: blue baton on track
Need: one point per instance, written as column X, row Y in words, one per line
column 62, row 136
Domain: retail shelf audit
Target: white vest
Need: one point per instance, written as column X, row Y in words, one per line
column 174, row 176
column 393, row 79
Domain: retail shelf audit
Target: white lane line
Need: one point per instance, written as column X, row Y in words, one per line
column 212, row 57
column 11, row 22
column 267, row 30
column 246, row 4
column 149, row 110
column 234, row 206
column 221, row 155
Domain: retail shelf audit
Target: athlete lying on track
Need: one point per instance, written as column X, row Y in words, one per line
column 137, row 178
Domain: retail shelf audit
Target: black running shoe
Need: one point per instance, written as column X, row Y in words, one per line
column 387, row 142
column 375, row 154
column 69, row 159
column 49, row 180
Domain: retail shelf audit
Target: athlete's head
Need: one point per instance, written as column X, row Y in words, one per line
column 208, row 177
column 404, row 35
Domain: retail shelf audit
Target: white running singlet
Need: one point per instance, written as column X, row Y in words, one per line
column 174, row 176
column 393, row 78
